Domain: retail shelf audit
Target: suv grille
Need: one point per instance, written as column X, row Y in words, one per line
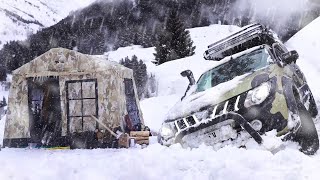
column 190, row 120
column 231, row 105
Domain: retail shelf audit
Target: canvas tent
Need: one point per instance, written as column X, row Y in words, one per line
column 52, row 98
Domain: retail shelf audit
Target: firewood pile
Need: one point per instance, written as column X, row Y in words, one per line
column 140, row 137
column 126, row 140
column 135, row 137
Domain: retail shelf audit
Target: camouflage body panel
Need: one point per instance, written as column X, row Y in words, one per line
column 69, row 65
column 17, row 122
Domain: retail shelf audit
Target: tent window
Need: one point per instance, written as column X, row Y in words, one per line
column 82, row 101
column 36, row 100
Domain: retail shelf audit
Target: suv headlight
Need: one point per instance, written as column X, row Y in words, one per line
column 258, row 94
column 167, row 131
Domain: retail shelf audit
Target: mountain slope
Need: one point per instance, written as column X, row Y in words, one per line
column 20, row 18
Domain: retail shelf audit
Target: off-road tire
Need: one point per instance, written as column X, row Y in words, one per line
column 313, row 107
column 307, row 135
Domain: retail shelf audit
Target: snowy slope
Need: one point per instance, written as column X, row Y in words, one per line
column 168, row 74
column 19, row 18
column 3, row 94
column 171, row 86
column 307, row 43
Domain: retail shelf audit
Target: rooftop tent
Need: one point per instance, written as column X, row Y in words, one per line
column 52, row 98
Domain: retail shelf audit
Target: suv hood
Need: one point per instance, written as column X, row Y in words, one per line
column 222, row 92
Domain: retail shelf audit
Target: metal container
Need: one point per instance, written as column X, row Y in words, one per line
column 132, row 142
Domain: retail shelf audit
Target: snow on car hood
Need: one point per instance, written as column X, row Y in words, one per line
column 212, row 96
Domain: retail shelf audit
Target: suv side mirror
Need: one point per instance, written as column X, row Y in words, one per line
column 290, row 57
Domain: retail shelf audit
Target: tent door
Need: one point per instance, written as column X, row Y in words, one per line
column 44, row 109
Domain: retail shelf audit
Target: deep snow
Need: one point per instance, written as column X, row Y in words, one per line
column 175, row 162
column 157, row 162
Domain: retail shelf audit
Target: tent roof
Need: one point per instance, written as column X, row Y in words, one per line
column 60, row 61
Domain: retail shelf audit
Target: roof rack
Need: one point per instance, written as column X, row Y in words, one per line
column 249, row 36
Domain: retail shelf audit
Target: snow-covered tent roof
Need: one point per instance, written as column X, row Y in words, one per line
column 60, row 61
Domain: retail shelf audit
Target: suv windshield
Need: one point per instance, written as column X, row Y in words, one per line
column 235, row 67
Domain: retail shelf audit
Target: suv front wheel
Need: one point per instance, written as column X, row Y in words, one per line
column 307, row 135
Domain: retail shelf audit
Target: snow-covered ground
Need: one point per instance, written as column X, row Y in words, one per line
column 20, row 18
column 175, row 162
column 157, row 162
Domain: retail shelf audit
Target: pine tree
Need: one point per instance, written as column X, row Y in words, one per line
column 4, row 101
column 3, row 73
column 174, row 42
column 162, row 49
column 139, row 73
column 146, row 6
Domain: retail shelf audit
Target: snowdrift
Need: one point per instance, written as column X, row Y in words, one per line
column 307, row 43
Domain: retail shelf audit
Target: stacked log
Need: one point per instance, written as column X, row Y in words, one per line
column 140, row 137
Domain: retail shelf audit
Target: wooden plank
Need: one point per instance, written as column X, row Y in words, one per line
column 143, row 142
column 141, row 138
column 139, row 133
column 105, row 126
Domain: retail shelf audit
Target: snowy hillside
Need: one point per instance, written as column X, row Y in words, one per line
column 159, row 162
column 307, row 43
column 171, row 86
column 19, row 18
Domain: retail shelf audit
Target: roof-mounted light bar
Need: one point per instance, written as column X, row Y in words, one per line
column 215, row 50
